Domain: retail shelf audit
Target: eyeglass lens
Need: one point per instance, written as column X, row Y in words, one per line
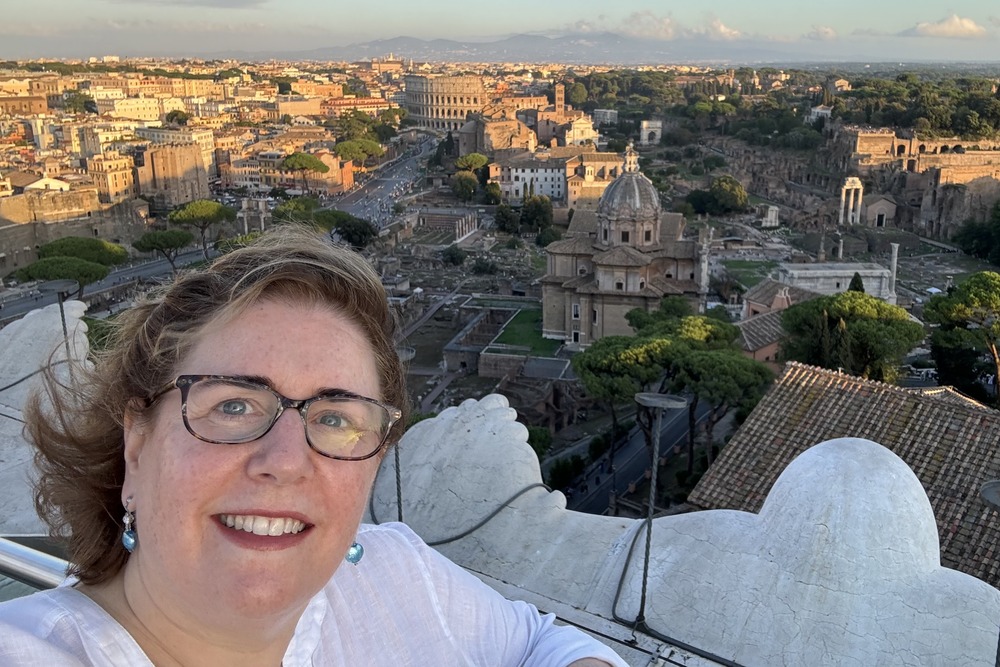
column 230, row 412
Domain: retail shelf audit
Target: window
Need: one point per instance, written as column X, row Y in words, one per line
column 838, row 284
column 624, row 237
column 648, row 235
column 604, row 234
column 619, row 285
column 593, row 316
column 576, row 336
column 582, row 271
column 576, row 311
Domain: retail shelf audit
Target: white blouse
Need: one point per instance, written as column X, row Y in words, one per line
column 404, row 604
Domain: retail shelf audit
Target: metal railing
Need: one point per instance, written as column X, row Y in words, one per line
column 31, row 566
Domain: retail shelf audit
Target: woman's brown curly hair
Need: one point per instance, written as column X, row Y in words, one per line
column 77, row 426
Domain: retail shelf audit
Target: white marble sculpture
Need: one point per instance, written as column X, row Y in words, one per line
column 27, row 345
column 841, row 566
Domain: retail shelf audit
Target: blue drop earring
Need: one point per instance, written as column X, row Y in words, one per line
column 129, row 538
column 355, row 554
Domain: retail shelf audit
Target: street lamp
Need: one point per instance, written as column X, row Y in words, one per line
column 658, row 403
column 62, row 289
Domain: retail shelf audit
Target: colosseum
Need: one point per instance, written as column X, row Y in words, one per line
column 444, row 102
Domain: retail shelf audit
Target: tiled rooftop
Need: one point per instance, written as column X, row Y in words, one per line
column 760, row 331
column 951, row 442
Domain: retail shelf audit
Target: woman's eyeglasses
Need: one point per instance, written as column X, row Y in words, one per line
column 230, row 410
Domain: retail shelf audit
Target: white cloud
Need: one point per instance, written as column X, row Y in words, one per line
column 822, row 33
column 583, row 26
column 717, row 30
column 647, row 25
column 952, row 26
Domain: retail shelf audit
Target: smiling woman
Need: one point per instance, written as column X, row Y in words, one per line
column 210, row 472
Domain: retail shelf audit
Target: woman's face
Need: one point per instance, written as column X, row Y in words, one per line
column 189, row 563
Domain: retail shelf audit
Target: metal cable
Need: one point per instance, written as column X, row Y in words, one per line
column 399, row 488
column 464, row 533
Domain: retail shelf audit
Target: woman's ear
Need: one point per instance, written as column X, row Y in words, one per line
column 136, row 424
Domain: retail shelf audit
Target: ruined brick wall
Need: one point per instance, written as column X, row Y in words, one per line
column 49, row 206
column 122, row 223
column 499, row 365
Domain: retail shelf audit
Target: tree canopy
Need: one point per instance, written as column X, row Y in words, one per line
column 970, row 321
column 853, row 331
column 302, row 163
column 674, row 351
column 89, row 248
column 507, row 219
column 177, row 117
column 472, row 161
column 453, row 255
column 202, row 214
column 76, row 101
column 297, row 209
column 981, row 238
column 64, row 268
column 358, row 150
column 356, row 231
column 464, row 184
column 167, row 243
column 536, row 212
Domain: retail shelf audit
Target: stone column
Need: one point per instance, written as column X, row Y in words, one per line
column 850, row 209
column 843, row 196
column 892, row 272
column 861, row 193
column 840, row 249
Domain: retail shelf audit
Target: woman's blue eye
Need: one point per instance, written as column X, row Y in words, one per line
column 331, row 420
column 234, row 407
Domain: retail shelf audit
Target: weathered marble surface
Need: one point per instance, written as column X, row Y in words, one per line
column 26, row 346
column 841, row 566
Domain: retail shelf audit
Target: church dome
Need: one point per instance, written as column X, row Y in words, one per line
column 631, row 196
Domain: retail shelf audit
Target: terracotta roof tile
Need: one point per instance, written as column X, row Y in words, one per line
column 952, row 443
column 760, row 331
column 765, row 291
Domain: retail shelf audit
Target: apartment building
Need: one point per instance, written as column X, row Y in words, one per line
column 25, row 105
column 134, row 108
column 204, row 138
column 570, row 176
column 112, row 174
column 171, row 174
column 368, row 105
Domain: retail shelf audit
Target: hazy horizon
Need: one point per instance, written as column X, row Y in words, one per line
column 966, row 31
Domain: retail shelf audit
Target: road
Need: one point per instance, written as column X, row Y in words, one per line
column 17, row 302
column 374, row 199
column 632, row 460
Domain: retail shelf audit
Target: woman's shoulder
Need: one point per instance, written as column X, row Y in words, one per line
column 390, row 533
column 63, row 626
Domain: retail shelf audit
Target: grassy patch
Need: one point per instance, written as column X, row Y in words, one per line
column 749, row 272
column 526, row 329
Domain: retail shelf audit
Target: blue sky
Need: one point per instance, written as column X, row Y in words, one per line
column 855, row 29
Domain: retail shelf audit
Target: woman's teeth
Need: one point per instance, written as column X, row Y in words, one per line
column 262, row 525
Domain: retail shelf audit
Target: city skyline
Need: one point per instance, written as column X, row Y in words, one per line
column 921, row 30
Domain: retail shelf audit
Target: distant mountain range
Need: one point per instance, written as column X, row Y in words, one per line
column 592, row 48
